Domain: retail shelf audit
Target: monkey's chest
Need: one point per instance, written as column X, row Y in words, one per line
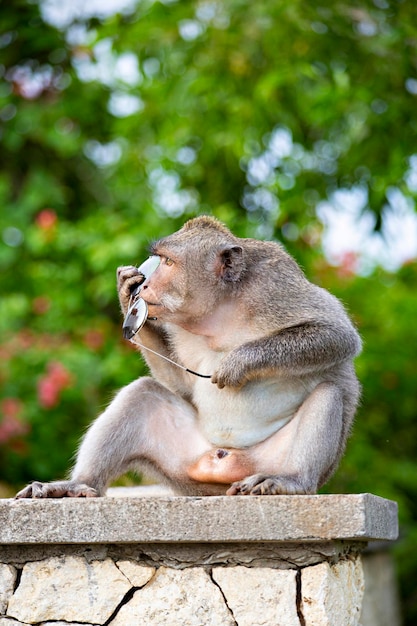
column 245, row 417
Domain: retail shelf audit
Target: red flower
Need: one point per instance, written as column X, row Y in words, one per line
column 52, row 383
column 46, row 219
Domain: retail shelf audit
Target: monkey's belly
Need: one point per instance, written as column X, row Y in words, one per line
column 245, row 417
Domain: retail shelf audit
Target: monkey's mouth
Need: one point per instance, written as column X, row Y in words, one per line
column 148, row 302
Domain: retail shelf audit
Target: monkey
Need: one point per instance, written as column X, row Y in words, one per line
column 269, row 403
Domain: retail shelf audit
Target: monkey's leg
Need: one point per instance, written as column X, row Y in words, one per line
column 298, row 458
column 145, row 426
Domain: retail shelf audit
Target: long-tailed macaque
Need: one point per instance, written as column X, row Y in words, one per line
column 275, row 409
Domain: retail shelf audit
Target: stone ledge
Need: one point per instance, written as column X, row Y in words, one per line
column 283, row 519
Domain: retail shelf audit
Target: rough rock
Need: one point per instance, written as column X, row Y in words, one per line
column 7, row 579
column 332, row 594
column 137, row 574
column 69, row 589
column 259, row 596
column 175, row 598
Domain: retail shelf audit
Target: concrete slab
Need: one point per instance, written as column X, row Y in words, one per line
column 168, row 519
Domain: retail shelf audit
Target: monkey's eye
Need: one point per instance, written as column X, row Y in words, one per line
column 168, row 261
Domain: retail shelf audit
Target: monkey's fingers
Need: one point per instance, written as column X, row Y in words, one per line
column 232, row 371
column 233, row 490
column 59, row 489
column 24, row 493
column 216, row 381
column 228, row 379
column 264, row 485
column 128, row 280
column 127, row 272
column 245, row 487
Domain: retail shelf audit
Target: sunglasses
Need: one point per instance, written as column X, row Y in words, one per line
column 137, row 313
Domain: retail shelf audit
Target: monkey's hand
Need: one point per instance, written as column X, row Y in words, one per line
column 231, row 372
column 128, row 278
column 58, row 489
column 265, row 485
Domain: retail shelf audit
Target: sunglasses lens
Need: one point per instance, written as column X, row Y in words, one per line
column 135, row 318
column 149, row 266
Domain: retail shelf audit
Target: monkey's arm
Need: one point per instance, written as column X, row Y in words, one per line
column 298, row 350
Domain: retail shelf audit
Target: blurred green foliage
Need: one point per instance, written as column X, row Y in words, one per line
column 116, row 129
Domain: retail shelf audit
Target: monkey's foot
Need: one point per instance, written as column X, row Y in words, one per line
column 220, row 466
column 263, row 485
column 58, row 489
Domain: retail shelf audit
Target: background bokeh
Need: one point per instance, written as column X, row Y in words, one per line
column 119, row 120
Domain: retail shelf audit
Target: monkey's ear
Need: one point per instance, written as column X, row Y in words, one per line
column 230, row 263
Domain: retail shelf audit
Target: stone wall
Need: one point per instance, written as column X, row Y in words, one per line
column 290, row 561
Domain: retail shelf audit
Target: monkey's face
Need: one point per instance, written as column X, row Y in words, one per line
column 180, row 289
column 199, row 268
